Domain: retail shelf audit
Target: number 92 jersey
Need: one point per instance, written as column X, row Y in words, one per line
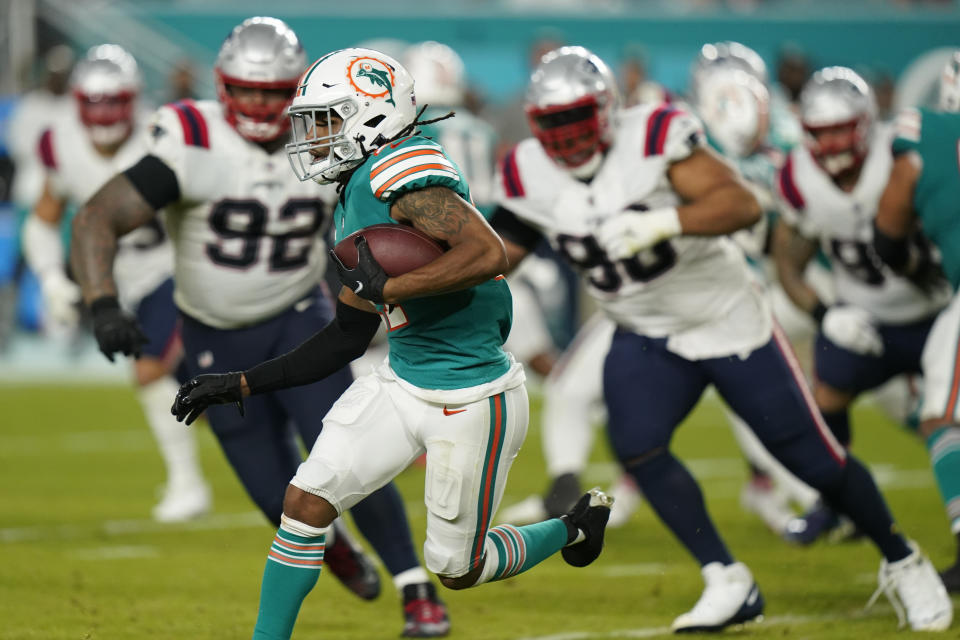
column 247, row 234
column 687, row 288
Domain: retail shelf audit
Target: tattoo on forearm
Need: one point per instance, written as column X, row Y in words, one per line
column 117, row 208
column 436, row 210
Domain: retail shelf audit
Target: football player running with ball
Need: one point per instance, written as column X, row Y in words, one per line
column 641, row 206
column 923, row 189
column 249, row 253
column 448, row 389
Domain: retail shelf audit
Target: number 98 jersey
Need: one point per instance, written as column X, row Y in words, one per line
column 686, row 288
column 247, row 234
column 842, row 222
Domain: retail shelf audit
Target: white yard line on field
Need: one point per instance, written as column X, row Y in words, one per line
column 117, row 552
column 214, row 522
column 653, row 632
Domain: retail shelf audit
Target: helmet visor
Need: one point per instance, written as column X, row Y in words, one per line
column 570, row 134
column 837, row 147
column 319, row 145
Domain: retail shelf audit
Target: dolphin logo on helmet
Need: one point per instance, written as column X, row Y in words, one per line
column 377, row 77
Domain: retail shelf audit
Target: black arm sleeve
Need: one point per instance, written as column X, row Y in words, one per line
column 895, row 252
column 327, row 351
column 155, row 181
column 510, row 227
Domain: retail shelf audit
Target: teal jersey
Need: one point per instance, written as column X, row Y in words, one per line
column 449, row 341
column 935, row 137
column 472, row 145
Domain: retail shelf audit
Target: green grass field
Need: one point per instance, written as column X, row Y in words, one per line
column 80, row 558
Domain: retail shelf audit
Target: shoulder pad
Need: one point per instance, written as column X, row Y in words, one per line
column 672, row 132
column 192, row 123
column 787, row 185
column 410, row 163
column 45, row 149
column 512, row 184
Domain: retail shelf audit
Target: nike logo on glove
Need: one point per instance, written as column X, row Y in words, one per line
column 447, row 412
column 359, row 287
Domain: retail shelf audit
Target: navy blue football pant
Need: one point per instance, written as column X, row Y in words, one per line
column 854, row 373
column 160, row 322
column 650, row 390
column 263, row 446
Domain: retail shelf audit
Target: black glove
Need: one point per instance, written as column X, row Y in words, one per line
column 198, row 393
column 368, row 278
column 923, row 267
column 115, row 330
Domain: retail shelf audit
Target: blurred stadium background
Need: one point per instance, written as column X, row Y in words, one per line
column 80, row 557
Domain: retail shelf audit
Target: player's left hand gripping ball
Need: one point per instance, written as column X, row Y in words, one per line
column 368, row 278
column 198, row 393
column 628, row 232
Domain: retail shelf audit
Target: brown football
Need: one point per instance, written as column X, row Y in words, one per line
column 397, row 247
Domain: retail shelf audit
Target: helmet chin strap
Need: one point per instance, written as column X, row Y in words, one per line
column 589, row 168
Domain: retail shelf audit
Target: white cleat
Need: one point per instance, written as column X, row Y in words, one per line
column 768, row 504
column 730, row 597
column 180, row 504
column 916, row 592
column 626, row 498
column 526, row 511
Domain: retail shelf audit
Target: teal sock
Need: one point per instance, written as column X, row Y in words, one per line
column 512, row 550
column 944, row 448
column 293, row 566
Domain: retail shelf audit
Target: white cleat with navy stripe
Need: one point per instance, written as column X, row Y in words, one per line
column 730, row 597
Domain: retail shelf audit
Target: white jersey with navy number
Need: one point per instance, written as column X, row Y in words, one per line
column 843, row 224
column 247, row 234
column 76, row 171
column 697, row 291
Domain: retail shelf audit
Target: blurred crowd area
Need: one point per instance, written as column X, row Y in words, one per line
column 175, row 43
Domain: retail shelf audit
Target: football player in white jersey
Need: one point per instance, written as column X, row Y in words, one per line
column 830, row 188
column 249, row 255
column 79, row 155
column 641, row 206
column 728, row 90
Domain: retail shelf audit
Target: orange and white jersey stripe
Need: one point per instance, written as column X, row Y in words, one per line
column 409, row 164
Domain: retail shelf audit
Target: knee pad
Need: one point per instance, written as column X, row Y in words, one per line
column 643, row 466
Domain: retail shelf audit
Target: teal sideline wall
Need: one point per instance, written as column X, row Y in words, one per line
column 494, row 48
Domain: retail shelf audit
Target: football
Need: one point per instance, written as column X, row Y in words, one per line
column 397, row 247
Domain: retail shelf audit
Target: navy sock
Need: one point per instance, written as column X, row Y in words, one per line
column 676, row 497
column 839, row 423
column 856, row 495
column 382, row 520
